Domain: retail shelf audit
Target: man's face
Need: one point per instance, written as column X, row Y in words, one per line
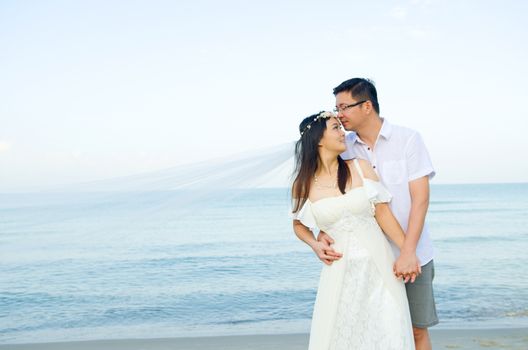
column 350, row 117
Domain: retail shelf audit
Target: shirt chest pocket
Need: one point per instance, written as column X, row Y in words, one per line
column 394, row 172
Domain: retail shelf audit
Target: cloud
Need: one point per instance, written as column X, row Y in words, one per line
column 418, row 33
column 421, row 2
column 398, row 13
column 4, row 146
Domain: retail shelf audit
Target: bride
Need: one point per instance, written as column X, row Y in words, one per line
column 360, row 304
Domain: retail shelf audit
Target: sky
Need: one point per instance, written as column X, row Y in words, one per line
column 98, row 89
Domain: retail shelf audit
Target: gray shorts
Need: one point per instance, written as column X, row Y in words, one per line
column 421, row 298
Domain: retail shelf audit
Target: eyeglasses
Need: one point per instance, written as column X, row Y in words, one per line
column 345, row 107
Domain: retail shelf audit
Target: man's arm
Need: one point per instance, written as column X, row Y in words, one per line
column 420, row 170
column 326, row 240
column 321, row 248
column 408, row 263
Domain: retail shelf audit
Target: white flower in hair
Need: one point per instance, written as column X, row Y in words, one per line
column 322, row 115
column 326, row 115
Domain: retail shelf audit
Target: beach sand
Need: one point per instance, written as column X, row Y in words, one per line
column 511, row 339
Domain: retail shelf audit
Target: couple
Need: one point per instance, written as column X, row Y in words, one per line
column 366, row 298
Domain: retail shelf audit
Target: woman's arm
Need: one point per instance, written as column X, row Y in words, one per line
column 303, row 233
column 388, row 223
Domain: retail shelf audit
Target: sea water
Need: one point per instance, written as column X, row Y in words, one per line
column 136, row 265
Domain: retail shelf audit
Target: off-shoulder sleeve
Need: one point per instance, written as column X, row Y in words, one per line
column 305, row 215
column 376, row 192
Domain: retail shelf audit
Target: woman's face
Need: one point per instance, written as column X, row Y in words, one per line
column 333, row 137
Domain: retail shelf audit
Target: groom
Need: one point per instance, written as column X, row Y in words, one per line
column 402, row 162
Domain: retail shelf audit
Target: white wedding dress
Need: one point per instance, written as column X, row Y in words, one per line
column 360, row 304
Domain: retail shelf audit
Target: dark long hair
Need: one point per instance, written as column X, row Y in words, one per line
column 306, row 160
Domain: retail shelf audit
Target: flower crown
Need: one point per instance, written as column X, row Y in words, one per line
column 322, row 115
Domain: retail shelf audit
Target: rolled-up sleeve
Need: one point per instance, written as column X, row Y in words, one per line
column 418, row 160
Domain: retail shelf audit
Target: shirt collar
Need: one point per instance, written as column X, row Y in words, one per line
column 385, row 131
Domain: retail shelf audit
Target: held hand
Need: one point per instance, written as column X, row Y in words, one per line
column 323, row 237
column 323, row 250
column 407, row 266
column 405, row 277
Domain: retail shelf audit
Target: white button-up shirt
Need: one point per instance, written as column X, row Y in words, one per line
column 399, row 156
